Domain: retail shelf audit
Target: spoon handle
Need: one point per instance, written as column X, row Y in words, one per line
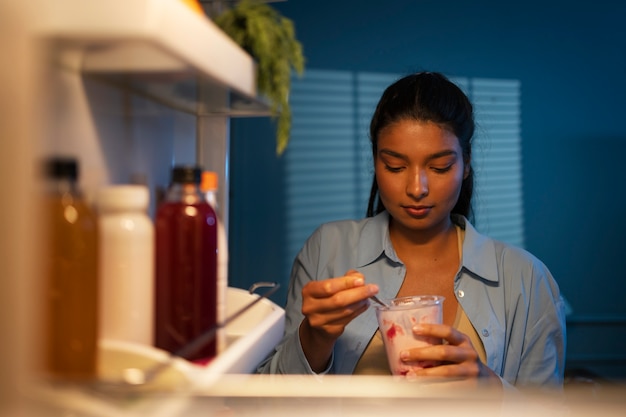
column 379, row 301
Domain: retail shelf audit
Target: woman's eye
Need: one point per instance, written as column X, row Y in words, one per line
column 441, row 170
column 393, row 169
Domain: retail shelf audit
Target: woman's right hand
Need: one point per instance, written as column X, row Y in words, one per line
column 328, row 306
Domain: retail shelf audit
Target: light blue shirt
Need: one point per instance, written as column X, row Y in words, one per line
column 509, row 296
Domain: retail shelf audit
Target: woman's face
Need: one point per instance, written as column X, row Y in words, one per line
column 419, row 169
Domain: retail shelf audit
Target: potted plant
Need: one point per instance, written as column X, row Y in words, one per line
column 270, row 39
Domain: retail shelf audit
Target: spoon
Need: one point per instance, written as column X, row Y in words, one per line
column 379, row 301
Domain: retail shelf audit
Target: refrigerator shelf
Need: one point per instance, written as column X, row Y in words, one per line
column 160, row 49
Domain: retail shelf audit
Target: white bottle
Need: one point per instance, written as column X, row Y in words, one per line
column 126, row 264
column 209, row 186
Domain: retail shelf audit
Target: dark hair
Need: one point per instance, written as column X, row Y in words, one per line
column 426, row 97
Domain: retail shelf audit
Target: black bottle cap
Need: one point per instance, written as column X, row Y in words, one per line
column 61, row 168
column 186, row 174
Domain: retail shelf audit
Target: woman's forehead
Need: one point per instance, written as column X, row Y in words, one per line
column 417, row 136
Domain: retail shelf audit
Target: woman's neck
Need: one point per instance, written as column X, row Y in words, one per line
column 434, row 239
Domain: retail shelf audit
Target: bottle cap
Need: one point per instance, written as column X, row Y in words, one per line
column 123, row 197
column 61, row 167
column 186, row 174
column 209, row 181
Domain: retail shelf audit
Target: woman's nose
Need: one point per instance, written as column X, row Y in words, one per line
column 417, row 185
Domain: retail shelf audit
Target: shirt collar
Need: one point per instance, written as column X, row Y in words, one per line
column 479, row 255
column 479, row 252
column 374, row 241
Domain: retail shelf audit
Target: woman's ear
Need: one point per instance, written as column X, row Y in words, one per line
column 466, row 169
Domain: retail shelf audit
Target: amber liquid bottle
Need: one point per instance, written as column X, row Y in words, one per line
column 72, row 280
column 186, row 265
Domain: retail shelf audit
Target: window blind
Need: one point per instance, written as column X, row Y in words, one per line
column 498, row 200
column 328, row 164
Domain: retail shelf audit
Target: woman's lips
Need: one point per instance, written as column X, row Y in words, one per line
column 417, row 211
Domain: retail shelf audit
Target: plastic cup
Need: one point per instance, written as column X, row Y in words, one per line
column 396, row 324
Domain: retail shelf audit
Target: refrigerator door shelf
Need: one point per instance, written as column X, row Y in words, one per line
column 160, row 49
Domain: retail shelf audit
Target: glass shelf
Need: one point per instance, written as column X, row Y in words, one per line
column 194, row 94
column 159, row 49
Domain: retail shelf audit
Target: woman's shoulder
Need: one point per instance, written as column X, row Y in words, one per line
column 343, row 226
column 514, row 253
column 354, row 227
column 508, row 256
column 519, row 266
column 336, row 246
column 336, row 238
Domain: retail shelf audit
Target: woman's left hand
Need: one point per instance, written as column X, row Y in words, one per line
column 456, row 357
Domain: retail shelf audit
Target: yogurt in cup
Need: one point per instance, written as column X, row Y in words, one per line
column 396, row 323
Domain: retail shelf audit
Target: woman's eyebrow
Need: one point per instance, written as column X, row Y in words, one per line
column 393, row 154
column 436, row 155
column 447, row 152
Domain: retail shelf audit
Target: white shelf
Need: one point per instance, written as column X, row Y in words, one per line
column 250, row 338
column 159, row 49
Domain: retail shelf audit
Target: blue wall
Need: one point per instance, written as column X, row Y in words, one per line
column 571, row 61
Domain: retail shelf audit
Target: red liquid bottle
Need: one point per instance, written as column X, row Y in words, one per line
column 186, row 265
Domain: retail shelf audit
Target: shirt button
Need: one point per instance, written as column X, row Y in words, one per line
column 485, row 332
column 460, row 293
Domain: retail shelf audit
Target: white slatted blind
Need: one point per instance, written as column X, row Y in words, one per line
column 320, row 161
column 498, row 203
column 328, row 160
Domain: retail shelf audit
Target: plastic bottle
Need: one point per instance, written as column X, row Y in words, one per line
column 186, row 265
column 126, row 264
column 209, row 186
column 71, row 291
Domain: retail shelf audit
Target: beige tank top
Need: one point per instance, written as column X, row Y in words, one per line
column 374, row 358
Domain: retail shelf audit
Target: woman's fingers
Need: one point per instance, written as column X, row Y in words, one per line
column 451, row 370
column 330, row 304
column 441, row 331
column 457, row 346
column 440, row 353
column 336, row 294
column 331, row 286
column 319, row 317
column 455, row 358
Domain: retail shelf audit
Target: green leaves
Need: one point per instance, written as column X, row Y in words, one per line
column 270, row 39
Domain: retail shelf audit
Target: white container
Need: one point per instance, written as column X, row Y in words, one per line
column 126, row 264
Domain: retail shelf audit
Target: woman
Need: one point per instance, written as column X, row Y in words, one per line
column 503, row 315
